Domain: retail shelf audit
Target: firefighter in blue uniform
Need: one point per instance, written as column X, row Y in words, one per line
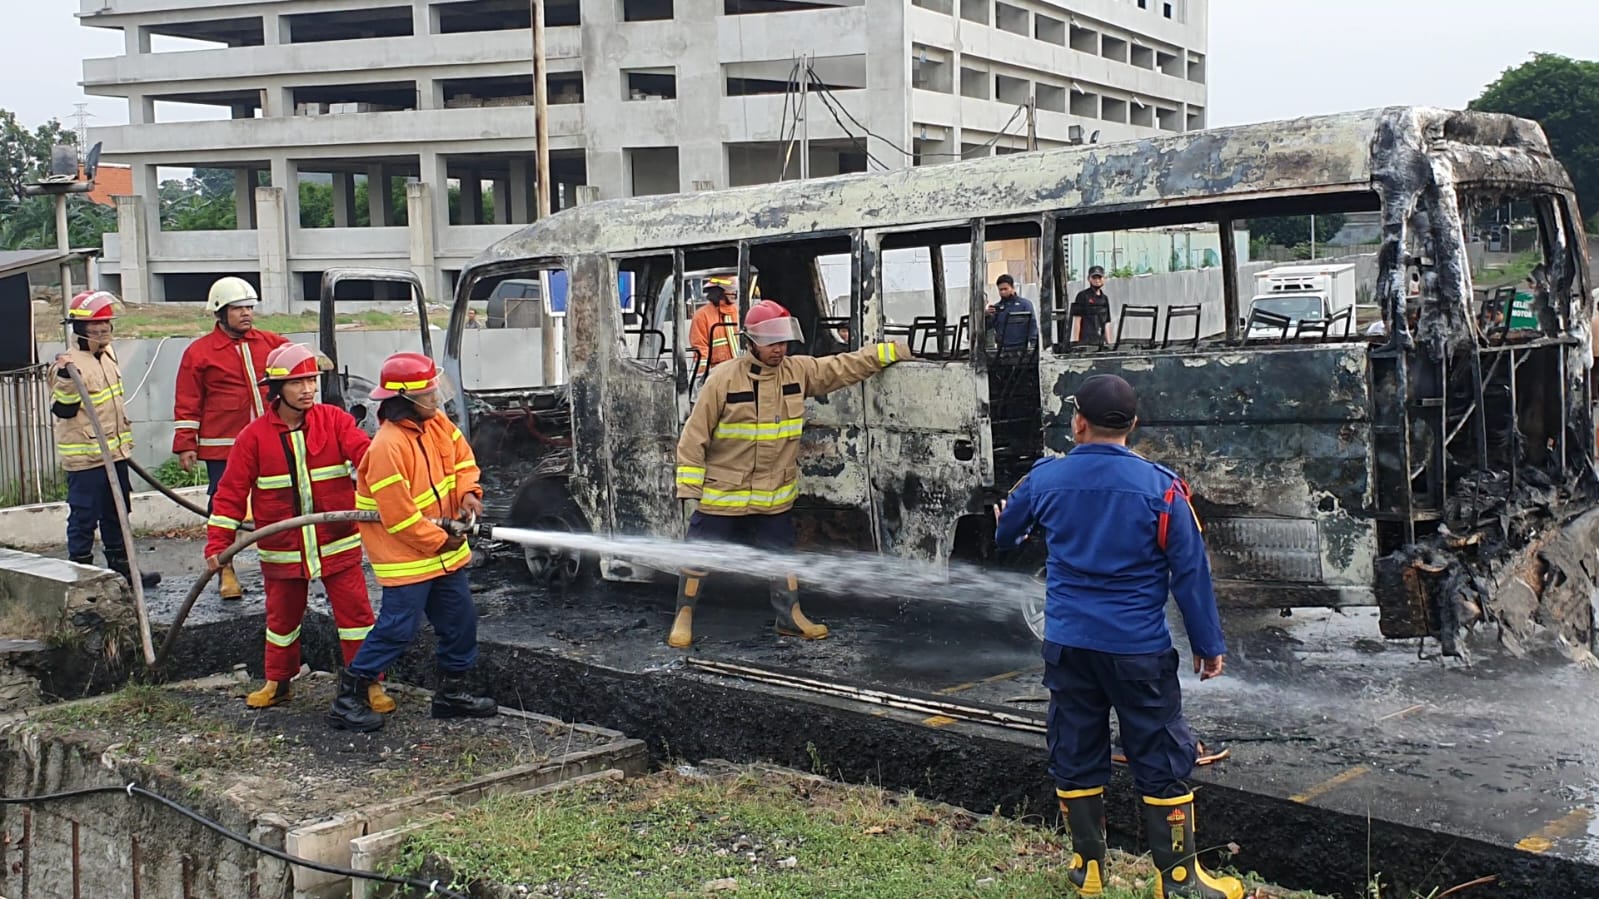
column 1121, row 535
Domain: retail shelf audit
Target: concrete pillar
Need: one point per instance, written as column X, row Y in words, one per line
column 701, row 154
column 276, row 101
column 275, row 28
column 141, row 110
column 421, row 207
column 883, row 107
column 136, row 40
column 424, row 18
column 272, row 243
column 430, row 94
column 244, row 199
column 502, row 201
column 286, row 174
column 472, row 198
column 147, row 184
column 343, row 200
column 521, row 194
column 380, row 203
column 135, row 240
column 435, row 173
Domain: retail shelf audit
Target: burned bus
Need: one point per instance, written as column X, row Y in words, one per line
column 1440, row 471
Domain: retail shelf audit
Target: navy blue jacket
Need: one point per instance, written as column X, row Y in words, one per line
column 1101, row 508
column 1015, row 334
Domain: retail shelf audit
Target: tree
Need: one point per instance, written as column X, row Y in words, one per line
column 30, row 224
column 202, row 202
column 24, row 154
column 1294, row 230
column 1562, row 95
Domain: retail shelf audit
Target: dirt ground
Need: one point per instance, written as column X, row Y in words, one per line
column 287, row 759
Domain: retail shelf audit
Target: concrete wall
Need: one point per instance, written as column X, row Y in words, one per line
column 489, row 359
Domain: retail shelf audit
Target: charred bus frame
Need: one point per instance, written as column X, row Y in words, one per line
column 1414, row 473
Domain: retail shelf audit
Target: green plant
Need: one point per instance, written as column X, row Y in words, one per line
column 172, row 475
column 1125, row 271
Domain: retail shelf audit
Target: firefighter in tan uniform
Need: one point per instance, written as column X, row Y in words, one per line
column 737, row 469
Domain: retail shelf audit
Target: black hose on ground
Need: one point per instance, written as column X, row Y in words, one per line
column 173, row 495
column 239, row 544
column 117, row 499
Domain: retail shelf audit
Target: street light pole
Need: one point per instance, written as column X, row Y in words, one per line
column 551, row 332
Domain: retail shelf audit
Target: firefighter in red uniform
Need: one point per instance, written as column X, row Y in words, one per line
column 296, row 459
column 219, row 390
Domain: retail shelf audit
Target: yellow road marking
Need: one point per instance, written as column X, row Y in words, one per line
column 938, row 721
column 961, row 688
column 1569, row 824
column 1331, row 783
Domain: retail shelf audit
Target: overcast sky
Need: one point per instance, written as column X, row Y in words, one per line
column 1269, row 59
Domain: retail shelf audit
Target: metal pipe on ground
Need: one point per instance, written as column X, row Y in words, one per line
column 115, row 484
column 244, row 541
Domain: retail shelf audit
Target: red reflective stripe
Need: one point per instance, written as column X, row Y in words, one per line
column 1177, row 488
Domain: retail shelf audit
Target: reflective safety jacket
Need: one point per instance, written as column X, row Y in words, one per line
column 415, row 472
column 739, row 451
column 74, row 432
column 715, row 345
column 219, row 390
column 279, row 474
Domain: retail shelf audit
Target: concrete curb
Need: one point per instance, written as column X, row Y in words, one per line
column 44, row 525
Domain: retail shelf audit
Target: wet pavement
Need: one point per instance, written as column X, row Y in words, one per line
column 1324, row 719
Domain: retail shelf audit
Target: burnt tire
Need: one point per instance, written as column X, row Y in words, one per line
column 545, row 504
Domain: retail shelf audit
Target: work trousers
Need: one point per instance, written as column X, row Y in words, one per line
column 1084, row 686
column 285, row 611
column 447, row 603
column 213, row 476
column 90, row 505
column 770, row 532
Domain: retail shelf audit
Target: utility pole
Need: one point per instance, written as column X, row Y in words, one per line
column 1313, row 235
column 1032, row 123
column 551, row 332
column 805, row 121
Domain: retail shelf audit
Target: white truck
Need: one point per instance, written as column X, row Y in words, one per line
column 1289, row 295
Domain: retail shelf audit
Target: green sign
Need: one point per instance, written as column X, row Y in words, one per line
column 1521, row 314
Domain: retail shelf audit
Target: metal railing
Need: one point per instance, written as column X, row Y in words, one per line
column 29, row 469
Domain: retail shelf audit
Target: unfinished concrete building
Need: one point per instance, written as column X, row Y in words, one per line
column 419, row 113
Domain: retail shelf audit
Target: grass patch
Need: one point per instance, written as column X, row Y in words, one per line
column 156, row 320
column 761, row 833
column 1512, row 273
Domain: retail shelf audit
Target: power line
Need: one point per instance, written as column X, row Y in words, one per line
column 827, row 92
column 825, row 95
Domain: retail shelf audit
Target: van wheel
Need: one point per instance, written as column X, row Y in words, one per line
column 545, row 504
column 1033, row 605
column 1032, row 558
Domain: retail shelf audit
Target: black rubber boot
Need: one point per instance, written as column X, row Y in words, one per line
column 453, row 700
column 119, row 564
column 791, row 622
column 1170, row 825
column 1084, row 811
column 82, row 560
column 351, row 709
column 690, row 581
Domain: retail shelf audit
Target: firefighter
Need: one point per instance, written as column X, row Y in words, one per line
column 89, row 500
column 418, row 471
column 219, row 389
column 736, row 459
column 1120, row 534
column 713, row 330
column 296, row 459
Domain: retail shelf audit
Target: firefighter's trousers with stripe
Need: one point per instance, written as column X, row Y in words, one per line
column 285, row 610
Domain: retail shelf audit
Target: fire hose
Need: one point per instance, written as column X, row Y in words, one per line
column 119, row 501
column 244, row 541
column 173, row 495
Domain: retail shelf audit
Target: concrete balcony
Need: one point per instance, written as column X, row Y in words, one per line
column 351, row 244
column 760, row 118
column 462, row 243
column 341, row 136
column 376, row 59
column 832, row 32
column 201, row 251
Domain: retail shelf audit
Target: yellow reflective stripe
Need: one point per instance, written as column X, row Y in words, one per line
column 342, row 546
column 98, row 398
column 463, row 466
column 405, row 385
column 90, row 449
column 354, row 633
column 250, row 378
column 274, row 482
column 739, row 499
column 456, row 436
column 391, row 479
column 722, row 341
column 423, row 566
column 365, row 503
column 216, row 441
column 781, row 430
column 66, row 396
column 281, row 556
column 186, row 425
column 887, row 354
column 313, row 559
column 413, row 519
column 221, row 521
column 690, row 474
column 445, row 487
column 283, row 639
column 331, row 472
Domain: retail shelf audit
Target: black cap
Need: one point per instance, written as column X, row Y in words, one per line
column 1096, row 270
column 1106, row 401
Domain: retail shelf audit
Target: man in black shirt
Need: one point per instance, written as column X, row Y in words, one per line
column 1091, row 311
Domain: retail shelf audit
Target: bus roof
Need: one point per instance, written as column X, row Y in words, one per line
column 1329, row 155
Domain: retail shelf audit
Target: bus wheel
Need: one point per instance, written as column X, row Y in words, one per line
column 545, row 504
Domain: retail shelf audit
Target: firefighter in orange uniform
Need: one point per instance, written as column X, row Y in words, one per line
column 219, row 389
column 715, row 326
column 297, row 459
column 418, row 472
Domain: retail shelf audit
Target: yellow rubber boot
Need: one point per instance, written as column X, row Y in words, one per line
column 689, row 582
column 791, row 622
column 381, row 702
column 229, row 587
column 1084, row 811
column 1170, row 825
column 271, row 693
